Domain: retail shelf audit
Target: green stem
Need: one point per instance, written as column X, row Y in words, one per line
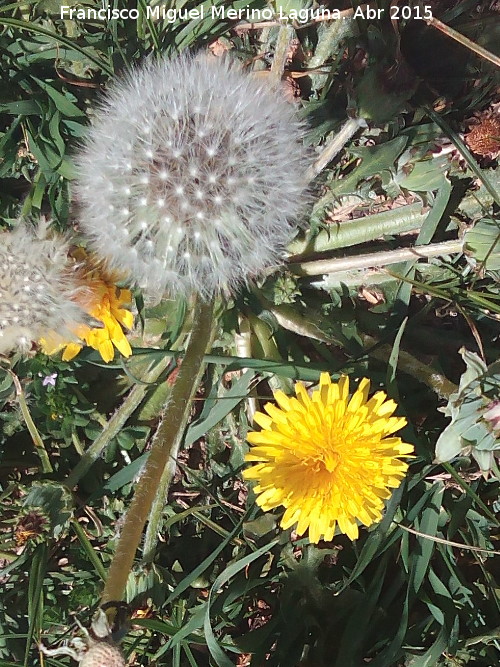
column 285, row 35
column 35, row 436
column 161, row 453
column 414, row 367
column 89, row 550
column 160, row 498
column 465, row 41
column 264, row 337
column 380, row 258
column 243, row 346
column 334, row 146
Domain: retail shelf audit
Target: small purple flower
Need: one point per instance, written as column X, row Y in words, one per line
column 49, row 379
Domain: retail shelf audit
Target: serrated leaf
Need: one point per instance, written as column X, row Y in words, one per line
column 379, row 99
column 375, row 160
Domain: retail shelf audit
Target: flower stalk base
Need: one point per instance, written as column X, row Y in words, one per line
column 163, row 451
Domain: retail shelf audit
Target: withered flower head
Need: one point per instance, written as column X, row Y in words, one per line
column 483, row 137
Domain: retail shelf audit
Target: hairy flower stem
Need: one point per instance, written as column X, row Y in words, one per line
column 285, row 35
column 160, row 498
column 133, row 400
column 162, row 451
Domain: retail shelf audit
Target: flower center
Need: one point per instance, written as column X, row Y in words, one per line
column 323, row 461
column 331, row 460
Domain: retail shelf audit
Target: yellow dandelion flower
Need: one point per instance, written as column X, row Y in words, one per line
column 104, row 302
column 328, row 459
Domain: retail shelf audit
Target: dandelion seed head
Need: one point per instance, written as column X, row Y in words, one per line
column 37, row 287
column 221, row 146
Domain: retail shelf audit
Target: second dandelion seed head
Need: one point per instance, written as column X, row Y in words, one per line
column 192, row 176
column 38, row 288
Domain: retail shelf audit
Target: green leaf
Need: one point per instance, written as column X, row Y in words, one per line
column 223, row 406
column 427, row 524
column 448, row 445
column 33, row 27
column 392, row 363
column 198, row 571
column 481, row 174
column 213, row 646
column 194, row 623
column 354, row 232
column 62, row 102
column 390, row 655
column 468, row 429
column 375, row 160
column 89, row 551
column 361, row 620
column 426, row 175
column 21, row 108
column 379, row 97
column 437, row 211
column 35, row 595
column 483, row 242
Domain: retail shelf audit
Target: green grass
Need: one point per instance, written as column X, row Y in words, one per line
column 224, row 584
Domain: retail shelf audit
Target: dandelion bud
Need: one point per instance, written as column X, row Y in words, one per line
column 191, row 176
column 36, row 288
column 94, row 649
column 492, row 416
column 102, row 653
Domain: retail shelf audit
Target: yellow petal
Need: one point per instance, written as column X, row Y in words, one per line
column 126, row 318
column 72, row 349
column 106, row 351
column 122, row 345
column 50, row 345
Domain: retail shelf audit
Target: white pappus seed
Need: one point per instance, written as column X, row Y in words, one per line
column 37, row 287
column 213, row 158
